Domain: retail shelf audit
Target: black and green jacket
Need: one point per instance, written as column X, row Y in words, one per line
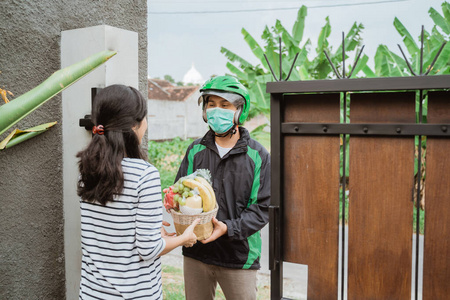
column 241, row 181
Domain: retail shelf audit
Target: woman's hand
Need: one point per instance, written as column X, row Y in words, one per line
column 189, row 236
column 220, row 228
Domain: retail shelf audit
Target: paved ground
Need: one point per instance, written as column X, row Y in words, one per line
column 295, row 276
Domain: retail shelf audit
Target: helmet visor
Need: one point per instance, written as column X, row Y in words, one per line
column 235, row 99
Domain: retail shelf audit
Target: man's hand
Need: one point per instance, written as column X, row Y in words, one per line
column 220, row 228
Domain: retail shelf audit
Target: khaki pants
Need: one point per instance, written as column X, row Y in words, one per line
column 200, row 281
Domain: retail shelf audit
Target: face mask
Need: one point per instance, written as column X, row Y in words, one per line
column 220, row 120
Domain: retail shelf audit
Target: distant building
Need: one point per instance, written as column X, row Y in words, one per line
column 193, row 77
column 173, row 111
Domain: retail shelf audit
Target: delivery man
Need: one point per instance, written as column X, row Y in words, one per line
column 240, row 169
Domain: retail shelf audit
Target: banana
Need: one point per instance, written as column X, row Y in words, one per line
column 209, row 187
column 208, row 203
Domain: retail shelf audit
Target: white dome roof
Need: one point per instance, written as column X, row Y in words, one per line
column 193, row 76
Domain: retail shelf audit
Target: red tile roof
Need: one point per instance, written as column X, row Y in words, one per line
column 159, row 89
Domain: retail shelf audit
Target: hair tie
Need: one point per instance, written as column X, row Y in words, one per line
column 98, row 130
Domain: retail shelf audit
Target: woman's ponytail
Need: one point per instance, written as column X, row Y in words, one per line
column 117, row 109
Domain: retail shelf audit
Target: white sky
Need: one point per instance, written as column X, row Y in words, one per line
column 175, row 40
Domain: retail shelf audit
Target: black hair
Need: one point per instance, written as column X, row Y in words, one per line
column 118, row 108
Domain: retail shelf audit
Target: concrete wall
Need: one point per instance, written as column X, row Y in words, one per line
column 32, row 261
column 170, row 119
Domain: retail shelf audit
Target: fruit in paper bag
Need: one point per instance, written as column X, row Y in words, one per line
column 194, row 202
column 211, row 191
column 169, row 201
column 192, row 206
column 197, row 183
column 209, row 201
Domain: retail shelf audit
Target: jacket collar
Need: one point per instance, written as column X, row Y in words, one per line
column 209, row 141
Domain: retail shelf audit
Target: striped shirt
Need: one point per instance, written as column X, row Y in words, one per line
column 121, row 241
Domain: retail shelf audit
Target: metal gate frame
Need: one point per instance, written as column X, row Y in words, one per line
column 280, row 129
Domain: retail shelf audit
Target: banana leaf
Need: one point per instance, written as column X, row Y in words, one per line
column 235, row 70
column 254, row 46
column 407, row 38
column 443, row 62
column 261, row 136
column 321, row 67
column 13, row 111
column 362, row 62
column 263, row 78
column 322, row 41
column 18, row 136
column 439, row 20
column 270, row 39
column 299, row 25
column 368, row 72
column 260, row 97
column 303, row 73
column 388, row 64
column 233, row 57
column 286, row 37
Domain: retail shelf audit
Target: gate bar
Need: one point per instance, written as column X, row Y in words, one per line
column 419, row 178
column 405, row 129
column 361, row 84
column 276, row 205
column 344, row 180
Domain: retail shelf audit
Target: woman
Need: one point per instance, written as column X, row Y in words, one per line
column 122, row 237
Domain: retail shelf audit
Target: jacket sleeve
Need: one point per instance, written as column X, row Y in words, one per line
column 256, row 215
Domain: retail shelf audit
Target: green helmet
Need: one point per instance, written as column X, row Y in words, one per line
column 229, row 88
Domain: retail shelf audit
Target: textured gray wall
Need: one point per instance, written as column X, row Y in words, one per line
column 31, row 212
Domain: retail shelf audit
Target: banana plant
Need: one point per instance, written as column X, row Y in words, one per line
column 255, row 77
column 15, row 110
column 389, row 64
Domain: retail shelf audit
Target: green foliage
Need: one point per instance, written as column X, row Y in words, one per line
column 346, row 205
column 14, row 111
column 421, row 221
column 255, row 77
column 261, row 136
column 169, row 78
column 166, row 157
column 389, row 64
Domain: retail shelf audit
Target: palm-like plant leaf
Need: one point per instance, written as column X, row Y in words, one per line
column 442, row 65
column 13, row 111
column 17, row 136
column 233, row 57
column 237, row 72
column 322, row 41
column 352, row 40
column 362, row 62
column 408, row 40
column 388, row 64
column 299, row 25
column 439, row 20
column 254, row 47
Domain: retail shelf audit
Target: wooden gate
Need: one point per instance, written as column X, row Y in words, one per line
column 307, row 132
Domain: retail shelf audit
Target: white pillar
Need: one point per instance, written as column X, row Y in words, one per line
column 122, row 68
